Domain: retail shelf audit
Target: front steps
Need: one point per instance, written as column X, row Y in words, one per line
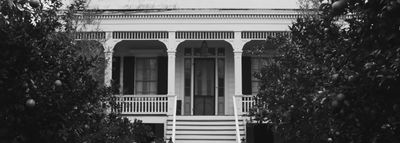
column 205, row 129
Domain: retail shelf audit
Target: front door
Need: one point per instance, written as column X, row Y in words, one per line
column 204, row 86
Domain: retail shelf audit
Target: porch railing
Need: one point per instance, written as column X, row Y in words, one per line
column 244, row 103
column 235, row 112
column 145, row 104
column 241, row 104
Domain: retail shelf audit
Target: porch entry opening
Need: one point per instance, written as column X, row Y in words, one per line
column 204, row 86
column 204, row 80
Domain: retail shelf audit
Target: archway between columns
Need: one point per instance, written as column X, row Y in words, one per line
column 256, row 55
column 205, row 77
column 140, row 67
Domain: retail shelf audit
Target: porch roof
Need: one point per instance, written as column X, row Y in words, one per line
column 197, row 11
column 196, row 4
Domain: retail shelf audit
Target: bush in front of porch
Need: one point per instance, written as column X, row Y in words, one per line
column 47, row 90
column 337, row 78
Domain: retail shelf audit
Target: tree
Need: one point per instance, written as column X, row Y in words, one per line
column 337, row 77
column 47, row 90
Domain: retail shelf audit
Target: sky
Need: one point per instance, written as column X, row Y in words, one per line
column 198, row 4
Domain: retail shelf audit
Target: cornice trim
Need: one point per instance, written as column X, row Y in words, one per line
column 191, row 16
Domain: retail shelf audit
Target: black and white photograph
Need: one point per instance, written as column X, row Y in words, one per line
column 199, row 71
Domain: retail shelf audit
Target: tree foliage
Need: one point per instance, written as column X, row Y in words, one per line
column 47, row 89
column 337, row 77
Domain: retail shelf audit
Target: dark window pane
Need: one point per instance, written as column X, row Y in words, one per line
column 128, row 75
column 221, row 51
column 162, row 75
column 221, row 77
column 221, row 92
column 246, row 75
column 211, row 51
column 116, row 69
column 187, row 77
column 188, row 51
column 197, row 51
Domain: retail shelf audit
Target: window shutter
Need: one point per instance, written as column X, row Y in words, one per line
column 246, row 75
column 162, row 81
column 116, row 69
column 129, row 75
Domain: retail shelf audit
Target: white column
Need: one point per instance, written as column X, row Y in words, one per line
column 238, row 72
column 238, row 44
column 171, row 72
column 108, row 68
column 171, row 51
column 108, row 54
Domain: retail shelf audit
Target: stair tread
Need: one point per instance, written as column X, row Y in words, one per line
column 205, row 141
column 205, row 129
column 186, row 126
column 205, row 137
column 204, row 132
column 205, row 117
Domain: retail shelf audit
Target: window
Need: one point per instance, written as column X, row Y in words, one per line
column 140, row 75
column 146, row 76
column 257, row 63
column 250, row 66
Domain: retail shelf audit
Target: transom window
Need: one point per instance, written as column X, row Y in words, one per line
column 204, row 52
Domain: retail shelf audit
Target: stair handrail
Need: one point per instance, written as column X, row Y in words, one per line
column 174, row 120
column 236, row 119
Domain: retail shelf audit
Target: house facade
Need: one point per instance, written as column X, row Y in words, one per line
column 186, row 70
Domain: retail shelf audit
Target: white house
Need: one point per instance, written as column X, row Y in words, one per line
column 184, row 69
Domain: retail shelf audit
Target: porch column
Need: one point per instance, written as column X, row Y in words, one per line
column 171, row 72
column 171, row 44
column 108, row 54
column 238, row 71
column 238, row 44
column 108, row 68
column 171, row 51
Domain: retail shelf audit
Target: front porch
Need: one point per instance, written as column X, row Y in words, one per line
column 187, row 128
column 206, row 78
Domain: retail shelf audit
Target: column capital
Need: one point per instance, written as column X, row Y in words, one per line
column 110, row 44
column 171, row 52
column 171, row 44
column 237, row 44
column 237, row 51
column 108, row 52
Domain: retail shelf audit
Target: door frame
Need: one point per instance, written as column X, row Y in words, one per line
column 215, row 58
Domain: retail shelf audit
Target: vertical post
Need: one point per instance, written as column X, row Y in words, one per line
column 238, row 72
column 239, row 103
column 108, row 53
column 174, row 120
column 235, row 112
column 172, row 98
column 108, row 68
column 237, row 51
column 171, row 51
column 170, row 103
column 171, row 72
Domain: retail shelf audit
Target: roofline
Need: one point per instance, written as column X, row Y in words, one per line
column 188, row 9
